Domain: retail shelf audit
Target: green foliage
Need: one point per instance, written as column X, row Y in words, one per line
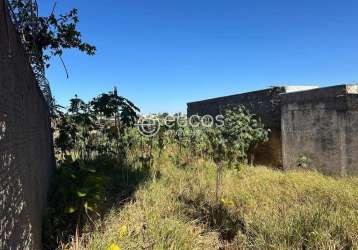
column 65, row 141
column 304, row 162
column 87, row 129
column 103, row 128
column 77, row 193
column 47, row 36
column 234, row 141
column 191, row 201
column 241, row 132
column 81, row 187
column 112, row 105
column 82, row 191
column 198, row 140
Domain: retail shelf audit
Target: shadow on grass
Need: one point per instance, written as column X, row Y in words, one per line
column 83, row 191
column 215, row 217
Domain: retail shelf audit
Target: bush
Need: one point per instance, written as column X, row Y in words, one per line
column 82, row 192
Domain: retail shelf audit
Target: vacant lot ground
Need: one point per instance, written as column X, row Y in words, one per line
column 257, row 208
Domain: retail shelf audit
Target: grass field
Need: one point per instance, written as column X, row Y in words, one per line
column 258, row 208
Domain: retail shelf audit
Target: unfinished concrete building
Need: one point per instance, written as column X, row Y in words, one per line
column 315, row 124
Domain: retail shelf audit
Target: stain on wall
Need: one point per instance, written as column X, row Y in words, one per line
column 26, row 155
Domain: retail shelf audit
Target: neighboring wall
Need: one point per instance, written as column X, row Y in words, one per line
column 321, row 125
column 265, row 104
column 26, row 157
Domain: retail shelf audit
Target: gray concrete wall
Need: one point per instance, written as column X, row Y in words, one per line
column 266, row 104
column 322, row 125
column 26, row 158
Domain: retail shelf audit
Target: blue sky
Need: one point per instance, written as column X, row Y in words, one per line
column 163, row 54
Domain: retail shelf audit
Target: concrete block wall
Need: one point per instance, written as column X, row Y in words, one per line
column 321, row 125
column 266, row 104
column 26, row 156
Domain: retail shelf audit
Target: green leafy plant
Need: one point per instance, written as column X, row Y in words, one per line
column 304, row 162
column 231, row 142
column 65, row 135
column 241, row 133
column 121, row 110
column 86, row 123
column 78, row 191
column 44, row 37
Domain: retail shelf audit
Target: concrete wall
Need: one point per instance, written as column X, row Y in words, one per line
column 322, row 125
column 26, row 157
column 266, row 104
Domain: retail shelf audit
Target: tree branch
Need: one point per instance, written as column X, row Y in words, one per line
column 64, row 66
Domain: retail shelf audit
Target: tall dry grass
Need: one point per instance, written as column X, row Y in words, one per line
column 259, row 208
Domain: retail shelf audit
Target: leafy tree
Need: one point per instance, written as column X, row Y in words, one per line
column 66, row 139
column 111, row 105
column 44, row 37
column 241, row 133
column 85, row 120
column 121, row 110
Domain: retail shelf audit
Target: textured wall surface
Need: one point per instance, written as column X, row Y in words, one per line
column 265, row 104
column 25, row 145
column 322, row 125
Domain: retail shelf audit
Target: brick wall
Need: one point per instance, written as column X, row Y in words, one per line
column 26, row 156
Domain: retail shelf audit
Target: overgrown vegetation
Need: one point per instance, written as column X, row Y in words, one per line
column 45, row 37
column 98, row 146
column 82, row 192
column 187, row 187
column 259, row 209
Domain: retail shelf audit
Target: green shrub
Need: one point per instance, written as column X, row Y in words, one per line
column 82, row 192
